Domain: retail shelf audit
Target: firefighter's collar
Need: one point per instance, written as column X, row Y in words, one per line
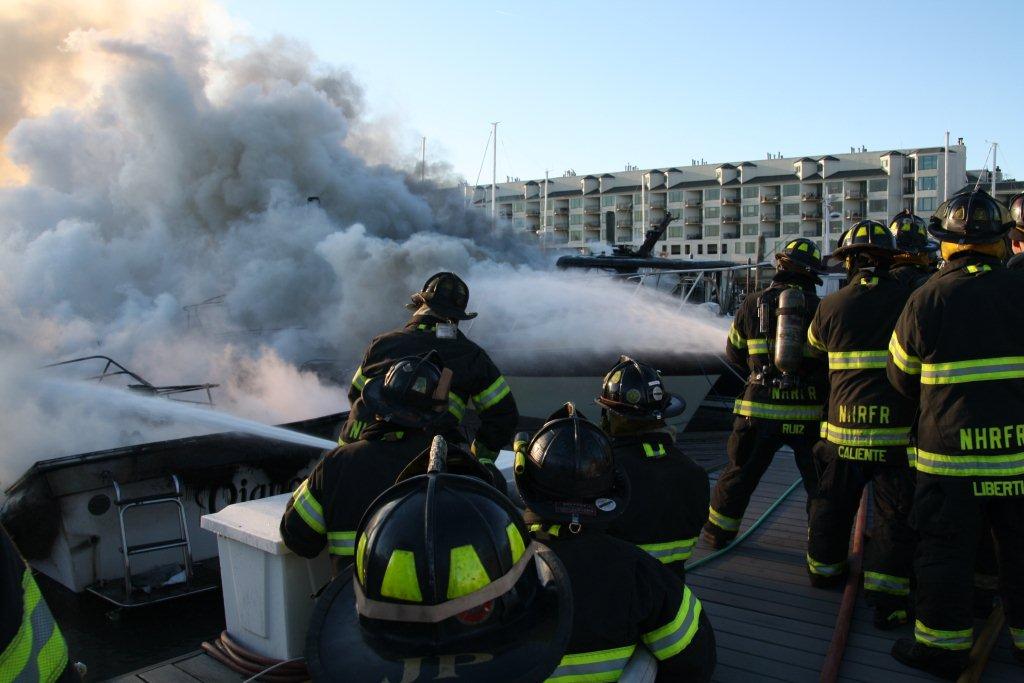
column 965, row 259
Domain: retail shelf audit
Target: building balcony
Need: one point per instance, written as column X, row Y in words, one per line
column 854, row 215
column 624, row 207
column 810, row 197
column 562, row 212
column 694, row 235
column 592, row 225
column 505, row 215
column 658, row 204
column 811, row 233
column 592, row 210
column 533, row 213
column 765, row 218
column 693, row 221
column 854, row 195
column 730, row 201
column 693, row 203
column 730, row 219
column 811, row 217
column 770, row 199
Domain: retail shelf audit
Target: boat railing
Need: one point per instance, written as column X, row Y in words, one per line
column 112, row 368
column 696, row 276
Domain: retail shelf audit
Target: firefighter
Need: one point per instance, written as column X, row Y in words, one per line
column 779, row 407
column 622, row 597
column 867, row 431
column 670, row 497
column 916, row 260
column 1017, row 233
column 31, row 645
column 476, row 381
column 956, row 353
column 408, row 403
column 447, row 583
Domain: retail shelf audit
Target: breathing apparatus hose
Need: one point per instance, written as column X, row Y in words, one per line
column 233, row 655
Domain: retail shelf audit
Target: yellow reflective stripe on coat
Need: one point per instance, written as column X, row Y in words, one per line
column 855, row 436
column 970, row 465
column 978, row 370
column 341, row 543
column 903, row 360
column 491, row 395
column 602, row 665
column 37, row 651
column 858, row 360
column 771, row 411
column 1018, row 637
column 670, row 551
column 947, row 640
column 359, row 379
column 722, row 521
column 813, row 340
column 757, row 346
column 309, row 509
column 823, row 569
column 886, row 583
column 456, row 406
column 736, row 339
column 654, row 450
column 673, row 637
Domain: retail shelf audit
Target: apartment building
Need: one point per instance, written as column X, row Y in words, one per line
column 741, row 211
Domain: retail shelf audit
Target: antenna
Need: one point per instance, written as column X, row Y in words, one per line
column 423, row 158
column 494, row 175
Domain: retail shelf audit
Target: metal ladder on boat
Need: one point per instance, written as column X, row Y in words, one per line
column 127, row 551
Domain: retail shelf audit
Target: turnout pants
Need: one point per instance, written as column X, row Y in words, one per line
column 751, row 448
column 889, row 553
column 950, row 514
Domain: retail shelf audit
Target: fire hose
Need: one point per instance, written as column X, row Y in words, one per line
column 836, row 648
column 236, row 657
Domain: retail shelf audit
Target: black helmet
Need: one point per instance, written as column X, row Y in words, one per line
column 635, row 390
column 910, row 233
column 1016, row 206
column 444, row 565
column 802, row 252
column 446, row 295
column 569, row 473
column 413, row 393
column 970, row 217
column 870, row 237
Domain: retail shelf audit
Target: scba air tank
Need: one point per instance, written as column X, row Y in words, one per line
column 790, row 331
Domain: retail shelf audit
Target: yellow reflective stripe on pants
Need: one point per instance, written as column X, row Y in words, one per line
column 359, row 379
column 852, row 436
column 308, row 507
column 736, row 339
column 670, row 551
column 722, row 521
column 603, row 665
column 903, row 360
column 886, row 583
column 969, row 465
column 756, row 346
column 341, row 543
column 37, row 651
column 1018, row 637
column 673, row 637
column 654, row 450
column 456, row 406
column 858, row 360
column 978, row 370
column 770, row 411
column 491, row 395
column 947, row 640
column 822, row 569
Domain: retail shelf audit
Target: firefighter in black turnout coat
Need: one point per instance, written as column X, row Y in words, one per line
column 780, row 406
column 956, row 352
column 408, row 404
column 915, row 262
column 669, row 500
column 476, row 381
column 867, row 430
column 622, row 597
column 1016, row 235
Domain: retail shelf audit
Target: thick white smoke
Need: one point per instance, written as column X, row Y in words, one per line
column 183, row 177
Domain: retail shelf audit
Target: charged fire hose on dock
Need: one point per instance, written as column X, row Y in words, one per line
column 983, row 645
column 255, row 667
column 836, row 648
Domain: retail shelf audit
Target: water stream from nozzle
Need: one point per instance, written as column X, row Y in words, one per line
column 181, row 412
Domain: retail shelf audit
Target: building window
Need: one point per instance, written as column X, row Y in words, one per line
column 835, row 206
column 791, row 190
column 790, row 228
column 878, row 185
column 711, row 231
column 749, row 248
column 750, row 209
column 675, row 232
column 712, row 212
column 576, row 203
column 686, row 249
column 675, row 249
column 790, row 209
column 750, row 228
column 517, row 207
column 700, row 248
column 608, row 200
column 675, row 196
column 725, row 248
column 638, row 216
column 926, row 203
column 908, row 186
column 750, row 192
column 877, row 205
column 712, row 194
column 835, row 187
column 927, row 182
column 712, row 248
column 551, row 204
column 576, row 219
column 575, row 235
column 927, row 162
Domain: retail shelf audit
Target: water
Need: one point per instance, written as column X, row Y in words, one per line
column 154, row 407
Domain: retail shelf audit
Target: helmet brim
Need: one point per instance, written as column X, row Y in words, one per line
column 381, row 405
column 438, row 309
column 597, row 512
column 842, row 253
column 960, row 238
column 675, row 407
column 337, row 648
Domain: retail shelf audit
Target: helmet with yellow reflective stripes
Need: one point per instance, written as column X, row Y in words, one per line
column 910, row 234
column 1016, row 206
column 569, row 473
column 413, row 392
column 970, row 217
column 635, row 390
column 802, row 253
column 444, row 567
column 864, row 237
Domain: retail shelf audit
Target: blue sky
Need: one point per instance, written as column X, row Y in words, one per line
column 595, row 85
